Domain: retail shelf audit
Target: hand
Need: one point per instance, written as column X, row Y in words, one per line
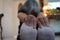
column 22, row 16
column 30, row 20
column 42, row 20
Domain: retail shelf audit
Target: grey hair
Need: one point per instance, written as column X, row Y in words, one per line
column 29, row 6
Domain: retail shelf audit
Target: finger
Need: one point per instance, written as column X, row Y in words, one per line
column 25, row 19
column 42, row 21
column 39, row 24
column 46, row 21
column 35, row 21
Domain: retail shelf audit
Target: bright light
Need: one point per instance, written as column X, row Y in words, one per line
column 54, row 4
column 46, row 7
column 45, row 14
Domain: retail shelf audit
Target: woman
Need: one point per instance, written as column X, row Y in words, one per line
column 30, row 8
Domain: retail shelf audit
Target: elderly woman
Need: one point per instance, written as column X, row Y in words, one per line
column 31, row 8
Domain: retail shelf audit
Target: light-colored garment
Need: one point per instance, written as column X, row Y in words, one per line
column 27, row 32
column 46, row 33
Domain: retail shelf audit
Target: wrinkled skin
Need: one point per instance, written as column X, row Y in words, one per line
column 42, row 20
column 30, row 20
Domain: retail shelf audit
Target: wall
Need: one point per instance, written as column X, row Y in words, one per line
column 10, row 21
column 7, row 22
column 1, row 6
